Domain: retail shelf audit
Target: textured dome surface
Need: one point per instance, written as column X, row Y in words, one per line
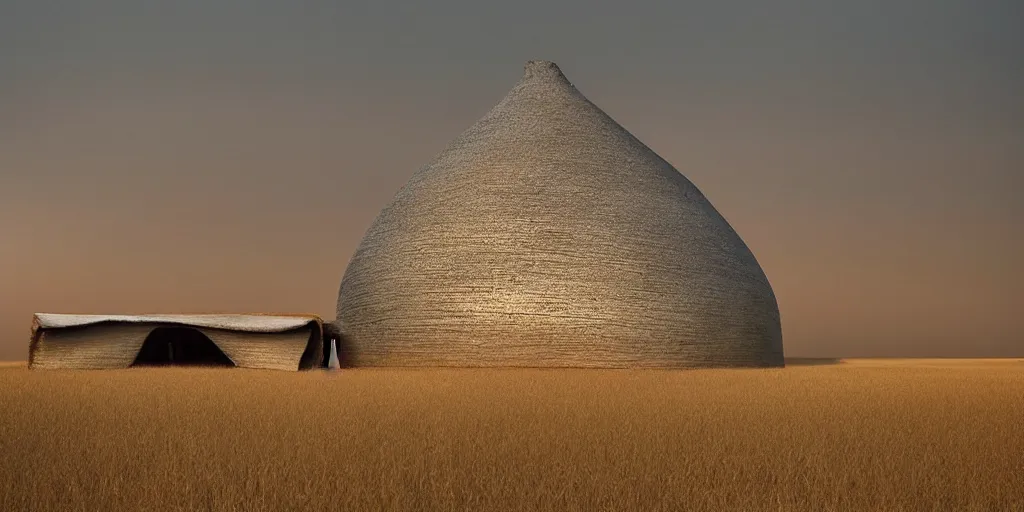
column 547, row 235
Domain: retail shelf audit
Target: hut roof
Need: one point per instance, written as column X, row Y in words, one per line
column 252, row 322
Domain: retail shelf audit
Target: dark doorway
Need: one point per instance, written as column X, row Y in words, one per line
column 167, row 346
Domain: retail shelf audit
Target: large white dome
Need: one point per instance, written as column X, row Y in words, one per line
column 548, row 235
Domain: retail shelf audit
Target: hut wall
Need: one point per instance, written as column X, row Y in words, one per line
column 115, row 345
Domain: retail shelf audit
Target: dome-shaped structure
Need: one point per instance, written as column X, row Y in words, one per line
column 547, row 235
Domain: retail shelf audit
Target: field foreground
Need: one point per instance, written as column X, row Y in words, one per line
column 861, row 435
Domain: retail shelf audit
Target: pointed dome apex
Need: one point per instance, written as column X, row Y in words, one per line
column 545, row 74
column 542, row 69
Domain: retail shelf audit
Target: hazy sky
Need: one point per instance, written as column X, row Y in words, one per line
column 227, row 155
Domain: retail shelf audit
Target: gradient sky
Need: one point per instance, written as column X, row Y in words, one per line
column 227, row 155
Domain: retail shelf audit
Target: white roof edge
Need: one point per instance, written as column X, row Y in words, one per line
column 234, row 322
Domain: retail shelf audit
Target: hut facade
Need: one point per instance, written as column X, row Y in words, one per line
column 547, row 235
column 287, row 342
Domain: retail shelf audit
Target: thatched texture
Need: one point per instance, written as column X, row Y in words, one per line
column 547, row 235
column 284, row 342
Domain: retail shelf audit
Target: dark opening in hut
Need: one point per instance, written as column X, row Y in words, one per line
column 185, row 346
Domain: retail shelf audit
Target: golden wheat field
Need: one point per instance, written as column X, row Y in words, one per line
column 859, row 435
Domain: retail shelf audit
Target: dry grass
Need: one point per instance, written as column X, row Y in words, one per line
column 853, row 436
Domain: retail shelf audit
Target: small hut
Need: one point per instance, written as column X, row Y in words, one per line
column 281, row 342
